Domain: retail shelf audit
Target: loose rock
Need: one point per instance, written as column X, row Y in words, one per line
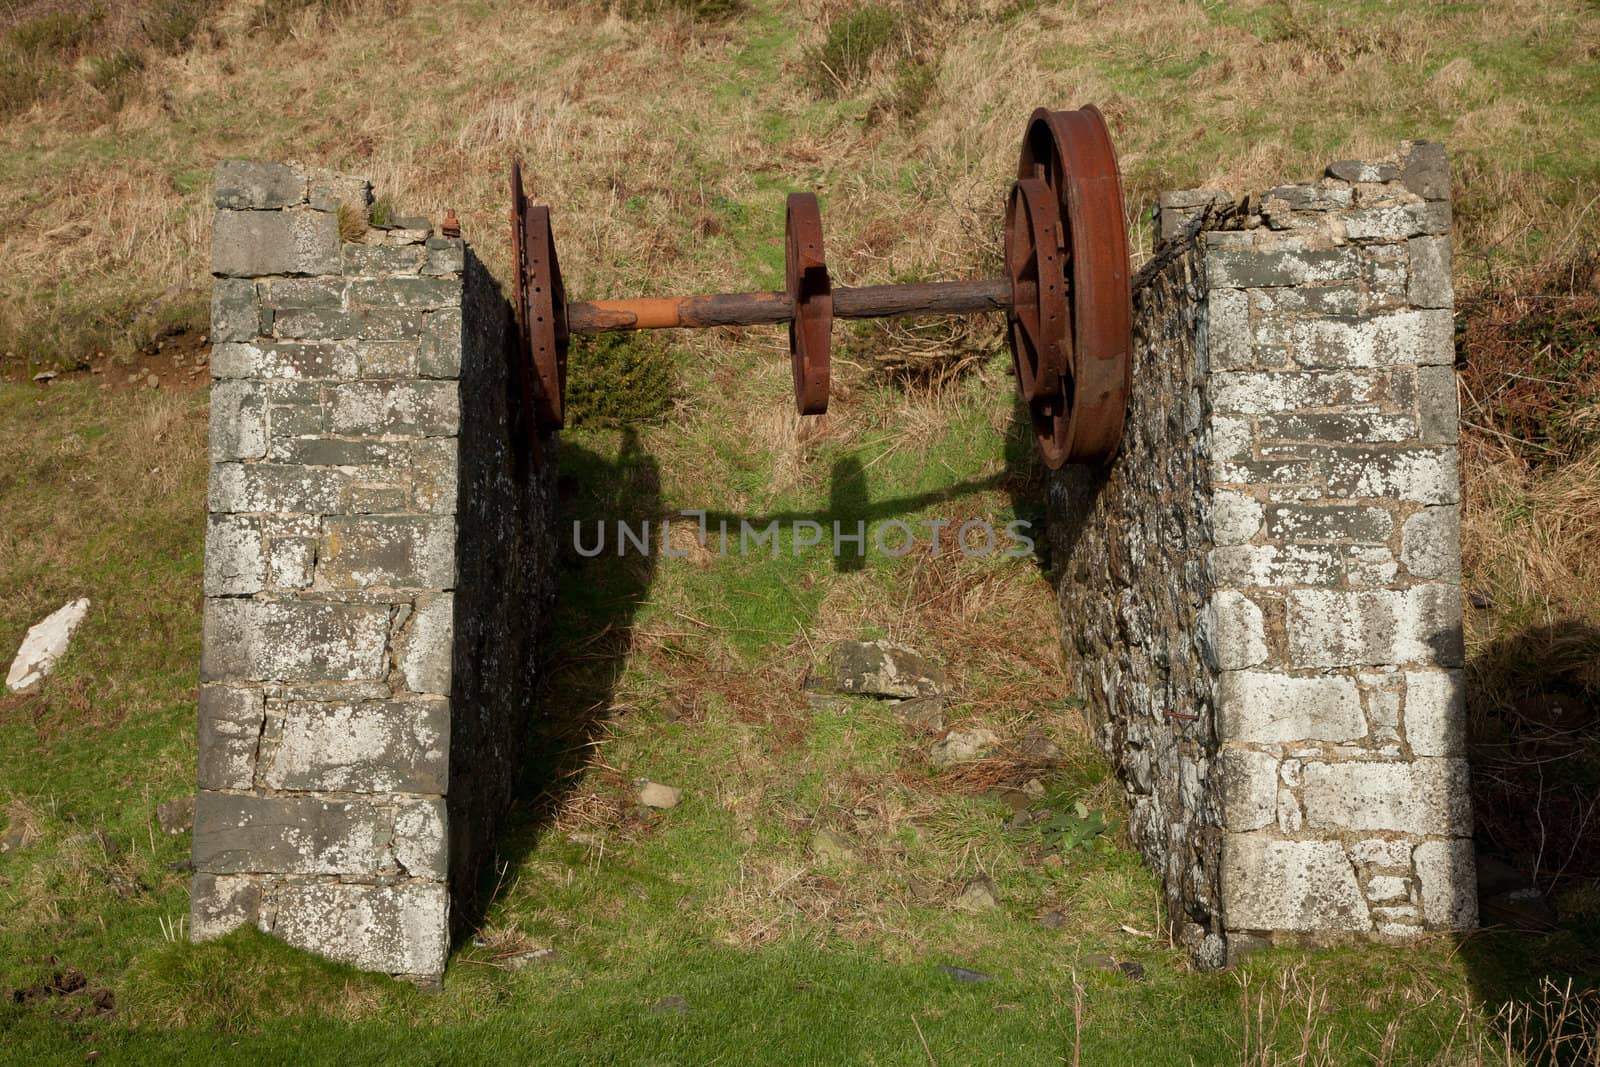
column 884, row 669
column 671, row 1005
column 831, row 847
column 978, row 895
column 523, row 960
column 44, row 646
column 962, row 746
column 656, row 795
column 922, row 714
column 176, row 816
column 962, row 974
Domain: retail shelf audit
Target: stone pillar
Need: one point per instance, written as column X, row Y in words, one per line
column 1270, row 570
column 338, row 737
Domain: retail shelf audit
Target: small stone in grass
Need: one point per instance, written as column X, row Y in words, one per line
column 1052, row 920
column 962, row 746
column 961, row 974
column 524, row 960
column 176, row 816
column 672, row 1004
column 656, row 795
column 978, row 895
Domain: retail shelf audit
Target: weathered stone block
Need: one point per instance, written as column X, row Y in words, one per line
column 444, row 255
column 370, row 747
column 433, row 469
column 425, row 644
column 423, row 408
column 387, row 359
column 387, row 552
column 231, row 720
column 256, row 243
column 1328, row 522
column 1231, row 633
column 1436, row 714
column 234, row 310
column 284, row 293
column 1272, row 884
column 1334, row 628
column 396, row 929
column 291, row 641
column 1426, row 170
column 292, row 561
column 1447, row 871
column 1430, row 285
column 1423, row 475
column 1430, row 543
column 1421, row 796
column 1361, row 170
column 381, row 260
column 1249, row 269
column 1270, row 392
column 243, row 185
column 1437, row 410
column 314, row 835
column 1397, row 222
column 220, row 904
column 1372, row 566
column 440, row 355
column 1338, row 426
column 1235, row 517
column 1264, row 707
column 1229, row 343
column 1251, row 566
column 1400, row 337
column 1343, row 298
column 236, row 562
column 262, row 487
column 1247, row 783
column 238, row 421
column 419, row 293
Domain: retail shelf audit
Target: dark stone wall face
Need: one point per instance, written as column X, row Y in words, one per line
column 505, row 566
column 1130, row 543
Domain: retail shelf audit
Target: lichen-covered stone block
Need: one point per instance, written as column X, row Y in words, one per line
column 292, row 641
column 1273, row 884
column 1337, row 628
column 401, row 836
column 387, row 552
column 236, row 556
column 367, row 747
column 231, row 721
column 242, row 185
column 1270, row 707
column 1422, row 796
column 235, row 310
column 422, row 408
column 257, row 243
column 398, row 929
column 238, row 421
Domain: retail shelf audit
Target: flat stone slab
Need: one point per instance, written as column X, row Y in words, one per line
column 44, row 646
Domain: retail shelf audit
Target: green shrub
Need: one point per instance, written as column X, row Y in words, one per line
column 853, row 42
column 618, row 379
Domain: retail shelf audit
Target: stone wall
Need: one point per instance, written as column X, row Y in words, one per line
column 364, row 664
column 1261, row 594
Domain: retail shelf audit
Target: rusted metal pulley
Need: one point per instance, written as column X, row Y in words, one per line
column 1065, row 294
column 542, row 333
column 1070, row 153
column 811, row 296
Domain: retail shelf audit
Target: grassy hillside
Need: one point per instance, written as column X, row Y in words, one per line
column 803, row 897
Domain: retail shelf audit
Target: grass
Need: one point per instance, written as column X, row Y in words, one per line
column 664, row 136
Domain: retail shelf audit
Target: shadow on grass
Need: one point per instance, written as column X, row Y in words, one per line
column 587, row 637
column 1533, row 713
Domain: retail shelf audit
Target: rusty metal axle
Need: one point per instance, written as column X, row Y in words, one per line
column 771, row 307
column 1065, row 295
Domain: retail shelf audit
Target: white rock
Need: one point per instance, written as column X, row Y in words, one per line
column 656, row 795
column 959, row 746
column 45, row 644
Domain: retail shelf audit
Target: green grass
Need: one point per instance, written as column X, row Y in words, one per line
column 667, row 174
